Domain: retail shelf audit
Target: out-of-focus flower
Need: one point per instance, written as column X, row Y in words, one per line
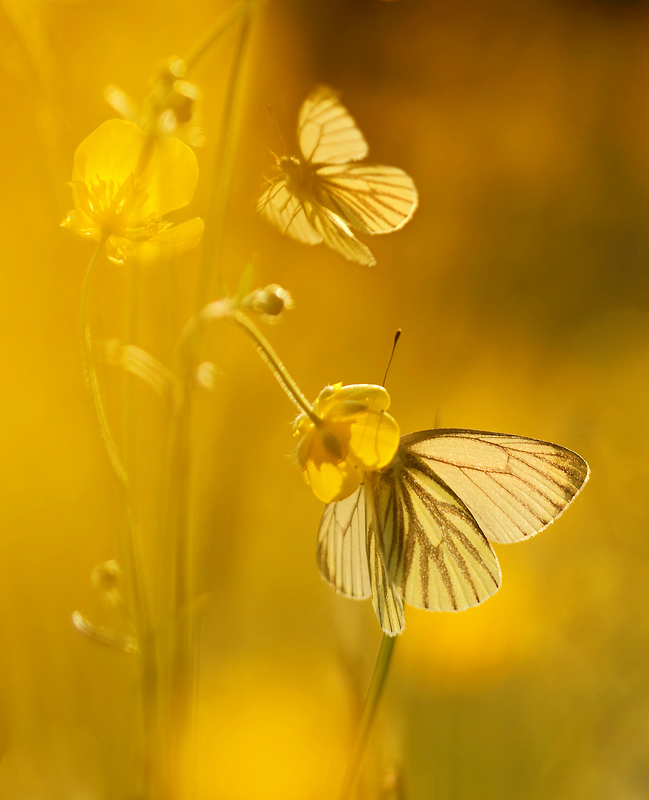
column 122, row 184
column 172, row 107
column 270, row 302
column 353, row 435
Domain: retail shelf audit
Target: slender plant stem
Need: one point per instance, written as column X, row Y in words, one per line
column 129, row 427
column 134, row 564
column 221, row 26
column 271, row 359
column 224, row 164
column 131, row 545
column 91, row 375
column 370, row 706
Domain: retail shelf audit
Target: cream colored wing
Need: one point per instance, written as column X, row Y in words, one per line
column 437, row 557
column 513, row 486
column 372, row 199
column 388, row 605
column 335, row 232
column 342, row 552
column 286, row 212
column 326, row 131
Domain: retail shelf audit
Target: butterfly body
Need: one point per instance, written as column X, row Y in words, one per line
column 324, row 193
column 301, row 179
column 420, row 530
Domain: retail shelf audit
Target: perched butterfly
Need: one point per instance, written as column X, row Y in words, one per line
column 324, row 193
column 419, row 530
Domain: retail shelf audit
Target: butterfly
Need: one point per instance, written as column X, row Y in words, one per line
column 323, row 193
column 420, row 530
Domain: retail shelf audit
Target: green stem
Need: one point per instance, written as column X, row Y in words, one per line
column 370, row 706
column 91, row 375
column 134, row 564
column 222, row 25
column 271, row 359
column 224, row 165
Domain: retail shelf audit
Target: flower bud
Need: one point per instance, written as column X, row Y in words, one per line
column 270, row 302
column 107, row 578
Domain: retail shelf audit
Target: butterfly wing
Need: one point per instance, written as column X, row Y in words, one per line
column 388, row 605
column 437, row 557
column 513, row 486
column 286, row 212
column 371, row 198
column 351, row 558
column 326, row 131
column 336, row 233
column 342, row 552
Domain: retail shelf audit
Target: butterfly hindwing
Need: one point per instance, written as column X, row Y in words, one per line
column 437, row 556
column 352, row 560
column 327, row 133
column 336, row 233
column 513, row 486
column 342, row 551
column 281, row 207
column 371, row 198
column 388, row 605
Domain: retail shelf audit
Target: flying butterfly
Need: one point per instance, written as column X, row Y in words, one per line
column 419, row 531
column 323, row 193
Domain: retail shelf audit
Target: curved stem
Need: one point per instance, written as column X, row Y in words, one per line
column 133, row 558
column 370, row 706
column 91, row 375
column 132, row 553
column 224, row 165
column 271, row 359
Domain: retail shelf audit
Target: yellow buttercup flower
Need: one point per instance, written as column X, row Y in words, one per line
column 123, row 183
column 349, row 434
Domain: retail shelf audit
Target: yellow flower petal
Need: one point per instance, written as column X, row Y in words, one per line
column 370, row 395
column 333, row 482
column 343, row 400
column 169, row 178
column 374, row 440
column 166, row 244
column 109, row 153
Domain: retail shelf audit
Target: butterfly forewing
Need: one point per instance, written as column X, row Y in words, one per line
column 283, row 209
column 327, row 132
column 437, row 556
column 371, row 198
column 513, row 486
column 342, row 549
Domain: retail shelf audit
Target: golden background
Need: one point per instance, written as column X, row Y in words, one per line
column 522, row 288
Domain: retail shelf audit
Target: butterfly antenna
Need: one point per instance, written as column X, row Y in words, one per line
column 394, row 347
column 279, row 130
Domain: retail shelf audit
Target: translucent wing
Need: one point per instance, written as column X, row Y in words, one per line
column 336, row 233
column 327, row 132
column 286, row 212
column 388, row 606
column 513, row 486
column 437, row 557
column 370, row 198
column 342, row 552
column 350, row 558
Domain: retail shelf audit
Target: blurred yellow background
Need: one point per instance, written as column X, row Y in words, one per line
column 522, row 288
